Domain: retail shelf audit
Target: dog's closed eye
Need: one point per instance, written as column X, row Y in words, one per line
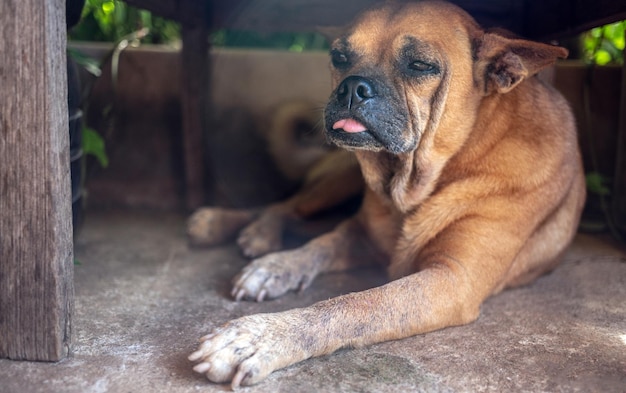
column 339, row 59
column 423, row 67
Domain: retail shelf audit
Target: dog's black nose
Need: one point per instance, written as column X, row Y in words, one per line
column 354, row 90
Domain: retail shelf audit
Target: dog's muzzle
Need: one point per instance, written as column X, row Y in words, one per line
column 362, row 113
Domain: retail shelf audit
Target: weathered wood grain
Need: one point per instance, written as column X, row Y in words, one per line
column 36, row 258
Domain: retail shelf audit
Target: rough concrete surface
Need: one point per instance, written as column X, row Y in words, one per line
column 143, row 298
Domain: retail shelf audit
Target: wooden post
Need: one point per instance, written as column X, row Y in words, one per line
column 194, row 97
column 36, row 258
column 619, row 188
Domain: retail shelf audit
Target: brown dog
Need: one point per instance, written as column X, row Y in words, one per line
column 474, row 184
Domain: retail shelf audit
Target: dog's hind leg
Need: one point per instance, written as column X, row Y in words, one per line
column 544, row 249
column 210, row 226
column 335, row 179
column 265, row 234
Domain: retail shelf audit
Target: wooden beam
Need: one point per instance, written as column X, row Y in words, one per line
column 194, row 100
column 539, row 19
column 561, row 18
column 307, row 15
column 36, row 258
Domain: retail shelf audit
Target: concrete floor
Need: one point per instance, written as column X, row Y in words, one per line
column 143, row 298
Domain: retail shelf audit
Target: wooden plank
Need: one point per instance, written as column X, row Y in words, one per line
column 194, row 101
column 36, row 258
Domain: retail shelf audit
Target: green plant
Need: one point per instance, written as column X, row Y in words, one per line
column 605, row 45
column 598, row 184
column 92, row 142
column 601, row 46
column 114, row 21
column 111, row 20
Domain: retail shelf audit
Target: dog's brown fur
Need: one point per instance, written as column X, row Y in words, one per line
column 474, row 184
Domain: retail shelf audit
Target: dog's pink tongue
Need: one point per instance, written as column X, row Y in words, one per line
column 349, row 125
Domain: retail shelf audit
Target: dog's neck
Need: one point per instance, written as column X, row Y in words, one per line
column 403, row 180
column 407, row 179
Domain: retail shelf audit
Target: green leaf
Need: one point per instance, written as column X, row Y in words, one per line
column 605, row 45
column 596, row 32
column 619, row 42
column 108, row 7
column 596, row 183
column 90, row 64
column 93, row 144
column 603, row 57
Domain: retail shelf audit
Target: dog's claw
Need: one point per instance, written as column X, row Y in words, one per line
column 201, row 368
column 261, row 296
column 237, row 380
column 207, row 337
column 195, row 356
column 241, row 293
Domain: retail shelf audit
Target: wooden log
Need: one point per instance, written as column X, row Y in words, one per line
column 36, row 257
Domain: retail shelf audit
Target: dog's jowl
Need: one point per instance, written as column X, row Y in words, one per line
column 473, row 184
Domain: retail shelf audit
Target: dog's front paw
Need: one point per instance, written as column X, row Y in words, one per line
column 210, row 226
column 273, row 275
column 262, row 236
column 247, row 349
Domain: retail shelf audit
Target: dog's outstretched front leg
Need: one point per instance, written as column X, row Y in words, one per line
column 248, row 349
column 275, row 274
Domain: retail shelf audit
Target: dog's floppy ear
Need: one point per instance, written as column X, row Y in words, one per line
column 503, row 62
column 330, row 32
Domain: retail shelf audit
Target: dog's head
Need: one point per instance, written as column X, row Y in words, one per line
column 399, row 68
